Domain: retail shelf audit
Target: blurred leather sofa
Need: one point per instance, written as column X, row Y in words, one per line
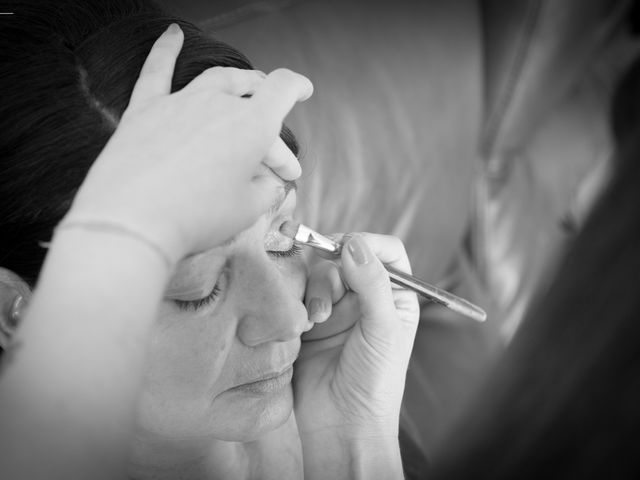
column 475, row 130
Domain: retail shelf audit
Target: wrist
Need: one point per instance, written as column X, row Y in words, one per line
column 336, row 454
column 155, row 238
column 82, row 345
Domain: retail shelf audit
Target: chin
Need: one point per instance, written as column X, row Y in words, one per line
column 244, row 416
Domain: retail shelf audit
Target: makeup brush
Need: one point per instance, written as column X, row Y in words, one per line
column 304, row 235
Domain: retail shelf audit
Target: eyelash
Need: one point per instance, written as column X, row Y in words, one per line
column 195, row 305
column 199, row 303
column 292, row 252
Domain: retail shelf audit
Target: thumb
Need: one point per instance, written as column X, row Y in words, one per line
column 366, row 276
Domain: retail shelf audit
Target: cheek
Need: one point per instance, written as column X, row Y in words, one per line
column 294, row 274
column 187, row 353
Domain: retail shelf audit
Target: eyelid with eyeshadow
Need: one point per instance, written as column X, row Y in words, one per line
column 276, row 241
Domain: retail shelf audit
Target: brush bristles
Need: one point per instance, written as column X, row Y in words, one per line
column 289, row 229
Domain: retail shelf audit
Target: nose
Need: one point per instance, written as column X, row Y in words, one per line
column 272, row 310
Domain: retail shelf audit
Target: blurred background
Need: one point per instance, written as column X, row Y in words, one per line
column 475, row 130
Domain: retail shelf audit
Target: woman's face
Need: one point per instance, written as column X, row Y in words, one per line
column 221, row 354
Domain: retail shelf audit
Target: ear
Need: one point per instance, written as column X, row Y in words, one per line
column 12, row 289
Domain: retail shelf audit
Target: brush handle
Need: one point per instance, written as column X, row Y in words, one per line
column 306, row 236
column 435, row 294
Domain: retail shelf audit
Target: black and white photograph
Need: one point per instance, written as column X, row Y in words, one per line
column 319, row 239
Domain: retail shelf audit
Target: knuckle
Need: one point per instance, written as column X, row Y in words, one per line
column 377, row 279
column 230, row 77
column 213, row 71
column 281, row 72
column 394, row 249
column 210, row 76
column 293, row 80
column 282, row 79
column 391, row 242
column 396, row 242
column 397, row 245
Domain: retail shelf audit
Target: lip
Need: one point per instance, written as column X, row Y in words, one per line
column 269, row 383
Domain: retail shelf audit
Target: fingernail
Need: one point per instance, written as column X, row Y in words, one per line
column 316, row 307
column 173, row 29
column 358, row 250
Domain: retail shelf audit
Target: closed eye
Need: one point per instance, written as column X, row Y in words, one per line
column 200, row 302
column 292, row 252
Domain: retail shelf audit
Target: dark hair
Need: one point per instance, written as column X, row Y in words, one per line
column 564, row 402
column 67, row 69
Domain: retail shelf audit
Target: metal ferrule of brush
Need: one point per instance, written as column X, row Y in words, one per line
column 316, row 240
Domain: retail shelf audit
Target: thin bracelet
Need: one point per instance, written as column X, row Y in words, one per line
column 105, row 226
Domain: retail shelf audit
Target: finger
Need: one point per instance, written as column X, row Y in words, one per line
column 343, row 318
column 259, row 195
column 282, row 161
column 389, row 249
column 268, row 190
column 276, row 96
column 157, row 71
column 229, row 80
column 408, row 308
column 368, row 278
column 324, row 288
